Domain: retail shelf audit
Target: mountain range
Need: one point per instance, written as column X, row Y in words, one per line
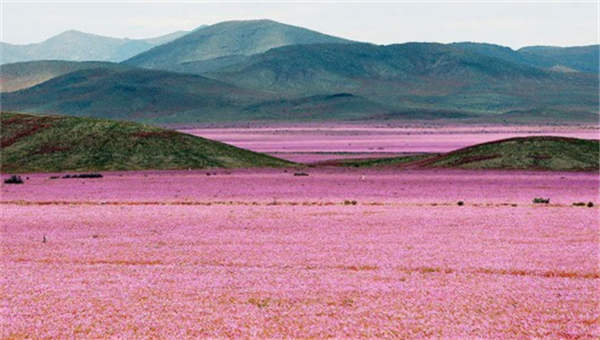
column 264, row 70
column 79, row 46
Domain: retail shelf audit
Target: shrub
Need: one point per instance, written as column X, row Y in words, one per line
column 350, row 202
column 541, row 200
column 83, row 176
column 579, row 204
column 90, row 175
column 460, row 203
column 300, row 174
column 14, row 179
column 590, row 204
column 260, row 303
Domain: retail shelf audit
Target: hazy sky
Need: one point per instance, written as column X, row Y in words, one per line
column 514, row 24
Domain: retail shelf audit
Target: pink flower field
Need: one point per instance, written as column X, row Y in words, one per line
column 311, row 143
column 266, row 254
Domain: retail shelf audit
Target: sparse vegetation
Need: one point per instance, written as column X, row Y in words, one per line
column 92, row 175
column 583, row 204
column 540, row 200
column 14, row 179
column 35, row 143
column 260, row 303
column 377, row 162
column 535, row 153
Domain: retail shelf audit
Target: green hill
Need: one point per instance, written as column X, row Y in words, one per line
column 79, row 46
column 532, row 153
column 32, row 143
column 229, row 38
column 520, row 153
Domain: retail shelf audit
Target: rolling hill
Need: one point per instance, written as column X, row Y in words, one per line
column 227, row 39
column 32, row 143
column 576, row 58
column 80, row 46
column 414, row 76
column 320, row 68
column 581, row 58
column 520, row 153
column 338, row 106
column 535, row 153
column 119, row 92
column 134, row 94
column 22, row 75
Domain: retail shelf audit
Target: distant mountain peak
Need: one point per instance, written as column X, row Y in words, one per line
column 74, row 45
column 75, row 33
column 248, row 21
column 72, row 31
column 228, row 38
column 483, row 45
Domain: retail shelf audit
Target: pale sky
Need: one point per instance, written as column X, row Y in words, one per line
column 513, row 24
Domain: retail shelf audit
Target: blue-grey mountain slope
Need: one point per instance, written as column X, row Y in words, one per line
column 79, row 46
column 413, row 76
column 228, row 39
column 576, row 58
column 17, row 76
column 134, row 94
